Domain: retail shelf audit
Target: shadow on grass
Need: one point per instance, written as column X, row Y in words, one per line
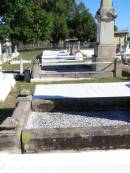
column 5, row 113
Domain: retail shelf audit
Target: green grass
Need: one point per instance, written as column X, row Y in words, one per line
column 7, row 107
column 28, row 55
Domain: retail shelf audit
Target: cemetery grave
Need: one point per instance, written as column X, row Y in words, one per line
column 59, row 119
column 73, row 117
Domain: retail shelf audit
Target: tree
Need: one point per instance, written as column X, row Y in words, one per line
column 82, row 25
column 128, row 38
column 33, row 20
column 60, row 30
column 115, row 28
column 26, row 21
column 59, row 12
column 4, row 32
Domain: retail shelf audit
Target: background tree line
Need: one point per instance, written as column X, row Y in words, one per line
column 30, row 21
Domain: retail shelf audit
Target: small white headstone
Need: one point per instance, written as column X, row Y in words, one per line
column 21, row 66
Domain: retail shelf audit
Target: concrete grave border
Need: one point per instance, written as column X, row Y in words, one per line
column 10, row 130
column 17, row 139
column 75, row 139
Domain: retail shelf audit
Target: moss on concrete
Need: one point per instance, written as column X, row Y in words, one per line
column 26, row 136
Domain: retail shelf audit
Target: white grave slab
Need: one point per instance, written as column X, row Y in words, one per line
column 7, row 82
column 50, row 56
column 87, row 52
column 116, row 161
column 90, row 90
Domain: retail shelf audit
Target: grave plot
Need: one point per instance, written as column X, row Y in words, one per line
column 68, row 70
column 78, row 117
column 69, row 117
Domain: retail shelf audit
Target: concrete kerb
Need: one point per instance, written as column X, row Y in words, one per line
column 17, row 139
column 75, row 139
column 10, row 131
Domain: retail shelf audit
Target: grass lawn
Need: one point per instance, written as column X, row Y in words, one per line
column 6, row 108
column 28, row 55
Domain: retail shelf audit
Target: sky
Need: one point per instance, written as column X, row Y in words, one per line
column 122, row 8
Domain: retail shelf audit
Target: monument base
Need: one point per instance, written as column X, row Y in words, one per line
column 104, row 58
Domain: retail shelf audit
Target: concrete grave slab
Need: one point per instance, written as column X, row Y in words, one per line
column 90, row 162
column 90, row 90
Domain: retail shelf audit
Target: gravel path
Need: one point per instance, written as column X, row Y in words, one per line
column 77, row 119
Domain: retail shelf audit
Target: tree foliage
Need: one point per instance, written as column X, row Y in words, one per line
column 82, row 25
column 59, row 12
column 26, row 21
column 115, row 28
column 33, row 20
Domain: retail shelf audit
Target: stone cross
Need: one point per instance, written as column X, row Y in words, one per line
column 106, row 49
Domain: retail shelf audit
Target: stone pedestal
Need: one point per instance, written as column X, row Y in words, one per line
column 105, row 51
column 36, row 70
column 104, row 57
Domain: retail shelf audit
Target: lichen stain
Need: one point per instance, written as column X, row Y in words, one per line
column 26, row 136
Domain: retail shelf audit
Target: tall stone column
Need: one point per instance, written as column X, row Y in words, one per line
column 105, row 50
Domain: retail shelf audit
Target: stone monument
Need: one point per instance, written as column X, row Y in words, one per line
column 8, row 48
column 105, row 51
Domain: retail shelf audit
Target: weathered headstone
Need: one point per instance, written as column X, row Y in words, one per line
column 105, row 51
column 15, row 50
column 36, row 70
column 78, row 46
column 8, row 48
column 118, row 67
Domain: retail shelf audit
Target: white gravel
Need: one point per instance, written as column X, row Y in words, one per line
column 77, row 119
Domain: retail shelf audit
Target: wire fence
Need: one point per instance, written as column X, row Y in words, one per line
column 50, row 46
